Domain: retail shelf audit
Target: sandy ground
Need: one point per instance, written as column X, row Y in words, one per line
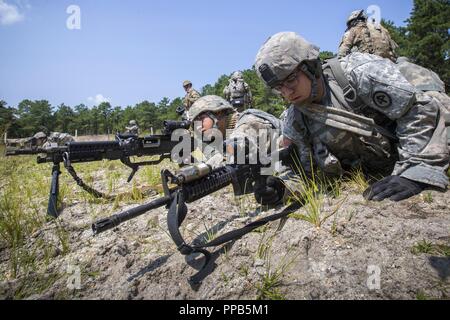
column 365, row 250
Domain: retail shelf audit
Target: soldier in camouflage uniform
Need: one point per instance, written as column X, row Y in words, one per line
column 38, row 140
column 357, row 111
column 133, row 128
column 58, row 139
column 365, row 37
column 213, row 112
column 238, row 92
column 429, row 82
column 191, row 96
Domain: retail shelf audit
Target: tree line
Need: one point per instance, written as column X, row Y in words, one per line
column 424, row 39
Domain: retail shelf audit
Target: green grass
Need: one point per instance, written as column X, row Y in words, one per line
column 24, row 191
column 427, row 197
column 426, row 247
column 311, row 190
column 356, row 181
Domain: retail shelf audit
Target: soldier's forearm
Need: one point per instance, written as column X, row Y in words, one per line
column 423, row 153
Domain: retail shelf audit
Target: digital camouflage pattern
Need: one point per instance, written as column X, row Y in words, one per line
column 58, row 139
column 395, row 105
column 368, row 38
column 133, row 128
column 357, row 38
column 246, row 125
column 237, row 88
column 191, row 96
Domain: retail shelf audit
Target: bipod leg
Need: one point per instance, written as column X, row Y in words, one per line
column 52, row 208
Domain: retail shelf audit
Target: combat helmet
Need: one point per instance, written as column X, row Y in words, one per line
column 186, row 83
column 282, row 54
column 40, row 135
column 357, row 15
column 132, row 122
column 209, row 104
column 237, row 75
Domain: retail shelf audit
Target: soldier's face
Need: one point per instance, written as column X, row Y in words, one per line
column 186, row 88
column 296, row 90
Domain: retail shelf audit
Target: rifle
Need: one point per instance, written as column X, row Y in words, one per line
column 124, row 147
column 193, row 183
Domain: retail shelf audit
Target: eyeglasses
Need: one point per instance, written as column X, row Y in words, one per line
column 290, row 82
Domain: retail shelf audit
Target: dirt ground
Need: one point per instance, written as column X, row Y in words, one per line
column 364, row 250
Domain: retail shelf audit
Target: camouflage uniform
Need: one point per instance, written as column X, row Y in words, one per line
column 238, row 89
column 58, row 139
column 38, row 140
column 133, row 128
column 245, row 125
column 429, row 82
column 191, row 96
column 356, row 38
column 365, row 37
column 383, row 123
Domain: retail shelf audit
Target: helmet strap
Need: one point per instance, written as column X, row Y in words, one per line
column 313, row 71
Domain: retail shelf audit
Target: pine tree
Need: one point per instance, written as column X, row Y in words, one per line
column 428, row 36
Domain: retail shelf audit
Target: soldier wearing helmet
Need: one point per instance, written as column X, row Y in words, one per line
column 366, row 37
column 58, row 139
column 214, row 112
column 356, row 111
column 132, row 128
column 191, row 95
column 238, row 92
column 39, row 139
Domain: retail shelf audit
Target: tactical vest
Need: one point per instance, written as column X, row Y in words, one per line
column 418, row 76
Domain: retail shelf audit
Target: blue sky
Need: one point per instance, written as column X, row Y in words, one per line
column 130, row 51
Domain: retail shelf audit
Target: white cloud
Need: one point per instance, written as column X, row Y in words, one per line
column 9, row 14
column 99, row 98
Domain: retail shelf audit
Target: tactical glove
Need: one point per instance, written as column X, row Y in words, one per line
column 269, row 192
column 395, row 188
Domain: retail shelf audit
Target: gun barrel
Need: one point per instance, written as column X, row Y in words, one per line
column 18, row 152
column 103, row 225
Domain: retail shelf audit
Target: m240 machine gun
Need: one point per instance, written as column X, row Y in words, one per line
column 123, row 148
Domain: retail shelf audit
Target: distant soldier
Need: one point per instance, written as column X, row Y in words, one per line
column 213, row 112
column 191, row 96
column 238, row 92
column 37, row 140
column 57, row 139
column 365, row 37
column 133, row 128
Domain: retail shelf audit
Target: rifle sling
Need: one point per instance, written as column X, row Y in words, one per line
column 83, row 185
column 177, row 209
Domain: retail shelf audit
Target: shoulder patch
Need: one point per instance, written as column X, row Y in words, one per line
column 382, row 99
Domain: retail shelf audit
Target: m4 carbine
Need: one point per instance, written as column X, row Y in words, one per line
column 124, row 147
column 193, row 183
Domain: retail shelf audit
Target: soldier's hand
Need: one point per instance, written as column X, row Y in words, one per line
column 395, row 188
column 271, row 192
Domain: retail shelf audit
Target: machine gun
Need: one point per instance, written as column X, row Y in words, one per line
column 193, row 183
column 124, row 147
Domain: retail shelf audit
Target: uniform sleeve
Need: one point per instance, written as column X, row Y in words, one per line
column 423, row 153
column 296, row 132
column 422, row 148
column 346, row 43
